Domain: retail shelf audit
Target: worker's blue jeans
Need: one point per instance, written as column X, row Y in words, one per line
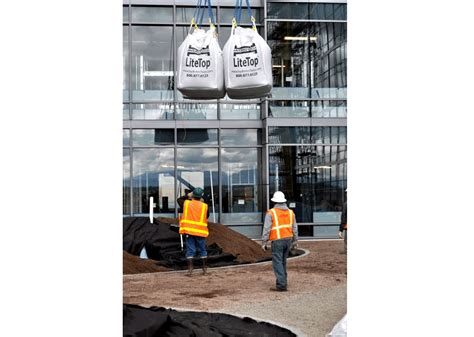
column 280, row 251
column 193, row 242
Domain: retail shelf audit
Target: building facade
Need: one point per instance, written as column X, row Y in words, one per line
column 239, row 151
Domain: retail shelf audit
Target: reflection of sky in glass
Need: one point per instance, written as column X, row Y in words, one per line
column 126, row 164
column 197, row 159
column 152, row 160
column 239, row 137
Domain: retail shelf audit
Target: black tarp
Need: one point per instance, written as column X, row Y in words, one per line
column 162, row 322
column 162, row 243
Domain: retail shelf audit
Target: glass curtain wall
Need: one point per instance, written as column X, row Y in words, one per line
column 307, row 162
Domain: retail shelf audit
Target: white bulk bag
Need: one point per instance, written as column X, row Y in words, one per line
column 200, row 66
column 247, row 64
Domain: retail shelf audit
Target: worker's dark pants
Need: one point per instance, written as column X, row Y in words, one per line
column 280, row 251
column 193, row 243
column 345, row 240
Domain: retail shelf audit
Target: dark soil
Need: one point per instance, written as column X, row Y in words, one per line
column 246, row 250
column 133, row 265
column 224, row 245
column 157, row 321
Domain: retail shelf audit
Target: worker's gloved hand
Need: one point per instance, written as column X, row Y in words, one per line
column 264, row 245
column 294, row 245
column 340, row 234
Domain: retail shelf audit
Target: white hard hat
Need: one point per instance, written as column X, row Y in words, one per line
column 278, row 197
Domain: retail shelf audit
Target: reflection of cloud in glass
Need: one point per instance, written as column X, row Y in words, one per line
column 197, row 159
column 239, row 137
column 235, row 155
column 126, row 164
column 152, row 160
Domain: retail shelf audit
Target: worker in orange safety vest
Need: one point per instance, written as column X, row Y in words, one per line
column 193, row 224
column 281, row 229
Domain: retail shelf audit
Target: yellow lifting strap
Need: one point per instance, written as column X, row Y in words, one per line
column 193, row 23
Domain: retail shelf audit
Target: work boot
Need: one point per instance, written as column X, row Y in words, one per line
column 204, row 265
column 190, row 266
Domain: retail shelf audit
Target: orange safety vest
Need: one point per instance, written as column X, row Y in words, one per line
column 282, row 223
column 194, row 219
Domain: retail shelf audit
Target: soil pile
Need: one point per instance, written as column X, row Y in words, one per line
column 244, row 249
column 156, row 321
column 133, row 265
column 161, row 241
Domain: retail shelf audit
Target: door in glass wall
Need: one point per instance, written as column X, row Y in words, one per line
column 241, row 188
column 153, row 176
column 198, row 167
column 313, row 179
column 290, row 172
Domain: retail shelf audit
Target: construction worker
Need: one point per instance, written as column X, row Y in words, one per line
column 343, row 225
column 193, row 224
column 280, row 228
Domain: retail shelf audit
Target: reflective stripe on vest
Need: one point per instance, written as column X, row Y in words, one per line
column 281, row 230
column 194, row 220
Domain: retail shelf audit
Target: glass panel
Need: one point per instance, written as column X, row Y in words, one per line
column 288, row 135
column 334, row 109
column 288, row 109
column 329, row 134
column 185, row 14
column 153, row 175
column 329, row 62
column 197, row 136
column 126, row 182
column 126, row 137
column 240, row 111
column 227, row 14
column 153, row 111
column 152, row 14
column 197, row 167
column 326, row 232
column 126, row 68
column 290, row 59
column 287, row 10
column 340, row 11
column 253, row 232
column 152, row 63
column 322, row 11
column 150, row 137
column 196, row 111
column 125, row 13
column 241, row 136
column 126, row 112
column 241, row 201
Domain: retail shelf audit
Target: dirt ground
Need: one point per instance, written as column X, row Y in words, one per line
column 316, row 287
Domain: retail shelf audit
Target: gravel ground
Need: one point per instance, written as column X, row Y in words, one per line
column 314, row 303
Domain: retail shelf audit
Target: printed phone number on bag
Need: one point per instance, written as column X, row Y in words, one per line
column 247, row 74
column 197, row 75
